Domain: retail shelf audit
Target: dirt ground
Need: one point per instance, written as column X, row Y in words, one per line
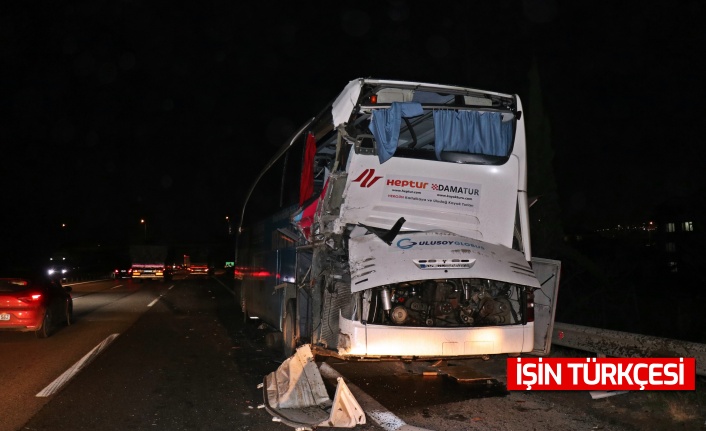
column 641, row 410
column 531, row 410
column 574, row 411
column 577, row 410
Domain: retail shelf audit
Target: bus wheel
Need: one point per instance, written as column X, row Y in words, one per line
column 289, row 335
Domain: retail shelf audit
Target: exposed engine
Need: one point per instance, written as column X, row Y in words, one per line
column 447, row 302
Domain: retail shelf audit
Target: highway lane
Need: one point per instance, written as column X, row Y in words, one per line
column 30, row 364
column 184, row 364
column 187, row 362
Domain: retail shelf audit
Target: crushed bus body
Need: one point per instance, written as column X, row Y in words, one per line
column 401, row 230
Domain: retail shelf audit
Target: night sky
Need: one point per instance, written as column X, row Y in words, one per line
column 116, row 111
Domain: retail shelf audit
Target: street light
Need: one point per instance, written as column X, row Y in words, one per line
column 230, row 229
column 144, row 223
column 64, row 234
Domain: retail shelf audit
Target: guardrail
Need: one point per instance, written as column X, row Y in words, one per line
column 74, row 278
column 626, row 345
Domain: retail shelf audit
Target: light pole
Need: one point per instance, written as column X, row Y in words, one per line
column 63, row 238
column 144, row 223
column 230, row 229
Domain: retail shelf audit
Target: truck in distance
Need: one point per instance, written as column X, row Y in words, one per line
column 149, row 262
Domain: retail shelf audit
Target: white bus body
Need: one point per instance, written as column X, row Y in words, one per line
column 411, row 239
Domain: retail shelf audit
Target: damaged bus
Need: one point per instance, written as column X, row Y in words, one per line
column 399, row 229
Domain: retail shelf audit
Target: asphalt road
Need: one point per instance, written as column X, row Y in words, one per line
column 173, row 367
column 30, row 364
column 183, row 359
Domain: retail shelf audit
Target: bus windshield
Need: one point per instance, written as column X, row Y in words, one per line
column 461, row 136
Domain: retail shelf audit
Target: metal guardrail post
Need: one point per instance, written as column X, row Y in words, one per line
column 626, row 345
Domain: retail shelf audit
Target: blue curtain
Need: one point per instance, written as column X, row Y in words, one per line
column 385, row 126
column 472, row 132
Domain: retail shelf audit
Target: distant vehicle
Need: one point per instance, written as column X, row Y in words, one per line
column 170, row 271
column 34, row 303
column 198, row 269
column 59, row 269
column 122, row 271
column 148, row 262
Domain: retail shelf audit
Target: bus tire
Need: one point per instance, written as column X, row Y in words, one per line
column 289, row 333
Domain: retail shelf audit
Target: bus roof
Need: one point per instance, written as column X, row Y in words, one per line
column 347, row 100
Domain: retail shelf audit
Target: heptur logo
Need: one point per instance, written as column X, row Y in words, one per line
column 367, row 178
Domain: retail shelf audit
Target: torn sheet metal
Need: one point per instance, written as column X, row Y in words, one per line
column 296, row 394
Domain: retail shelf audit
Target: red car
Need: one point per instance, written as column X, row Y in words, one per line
column 29, row 303
column 200, row 270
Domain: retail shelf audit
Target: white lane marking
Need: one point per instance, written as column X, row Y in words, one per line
column 86, row 282
column 383, row 417
column 75, row 368
column 157, row 298
column 86, row 294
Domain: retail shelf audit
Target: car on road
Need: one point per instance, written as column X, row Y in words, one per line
column 59, row 272
column 34, row 302
column 199, row 270
column 122, row 271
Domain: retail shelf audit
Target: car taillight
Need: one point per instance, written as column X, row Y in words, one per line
column 529, row 311
column 34, row 297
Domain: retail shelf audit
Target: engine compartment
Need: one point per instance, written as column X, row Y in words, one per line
column 448, row 303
